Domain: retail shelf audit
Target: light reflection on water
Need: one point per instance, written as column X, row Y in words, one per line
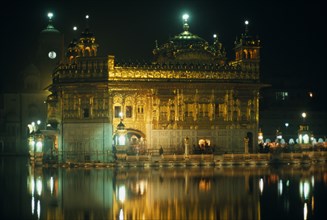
column 162, row 193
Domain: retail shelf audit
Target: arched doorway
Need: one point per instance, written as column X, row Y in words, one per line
column 135, row 141
column 204, row 146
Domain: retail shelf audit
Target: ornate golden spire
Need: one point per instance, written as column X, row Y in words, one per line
column 246, row 22
column 185, row 25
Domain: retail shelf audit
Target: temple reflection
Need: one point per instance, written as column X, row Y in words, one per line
column 194, row 193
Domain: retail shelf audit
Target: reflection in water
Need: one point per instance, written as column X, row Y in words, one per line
column 173, row 193
column 207, row 193
column 305, row 211
column 261, row 185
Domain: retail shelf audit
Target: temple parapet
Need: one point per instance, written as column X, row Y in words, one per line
column 183, row 73
column 90, row 68
column 97, row 69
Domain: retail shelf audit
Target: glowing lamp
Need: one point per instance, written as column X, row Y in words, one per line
column 50, row 15
column 39, row 146
column 185, row 17
column 305, row 139
column 304, row 115
column 122, row 140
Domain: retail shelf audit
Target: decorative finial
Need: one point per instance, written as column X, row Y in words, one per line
column 185, row 18
column 215, row 38
column 87, row 21
column 246, row 22
column 74, row 33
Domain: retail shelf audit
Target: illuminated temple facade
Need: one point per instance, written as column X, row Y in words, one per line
column 191, row 94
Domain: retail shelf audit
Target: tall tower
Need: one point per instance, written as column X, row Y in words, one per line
column 247, row 51
column 49, row 52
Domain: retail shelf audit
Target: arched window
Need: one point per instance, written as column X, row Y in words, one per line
column 245, row 54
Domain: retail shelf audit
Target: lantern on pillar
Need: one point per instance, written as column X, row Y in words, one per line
column 120, row 139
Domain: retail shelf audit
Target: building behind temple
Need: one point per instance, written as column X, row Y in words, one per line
column 190, row 91
column 24, row 103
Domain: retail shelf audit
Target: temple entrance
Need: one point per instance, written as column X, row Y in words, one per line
column 134, row 141
column 203, row 147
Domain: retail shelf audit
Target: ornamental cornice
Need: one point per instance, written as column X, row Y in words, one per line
column 123, row 74
column 96, row 70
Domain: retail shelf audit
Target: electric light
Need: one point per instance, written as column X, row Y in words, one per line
column 310, row 94
column 87, row 16
column 246, row 22
column 39, row 146
column 185, row 17
column 215, row 36
column 260, row 136
column 121, row 140
column 305, row 139
column 50, row 15
column 304, row 115
column 75, row 28
column 30, row 128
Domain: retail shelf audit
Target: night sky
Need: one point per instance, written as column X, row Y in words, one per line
column 293, row 33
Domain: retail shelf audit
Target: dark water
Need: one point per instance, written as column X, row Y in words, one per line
column 291, row 192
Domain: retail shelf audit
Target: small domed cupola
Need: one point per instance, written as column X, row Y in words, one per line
column 121, row 125
column 86, row 44
column 247, row 51
column 50, row 28
column 246, row 46
column 188, row 48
